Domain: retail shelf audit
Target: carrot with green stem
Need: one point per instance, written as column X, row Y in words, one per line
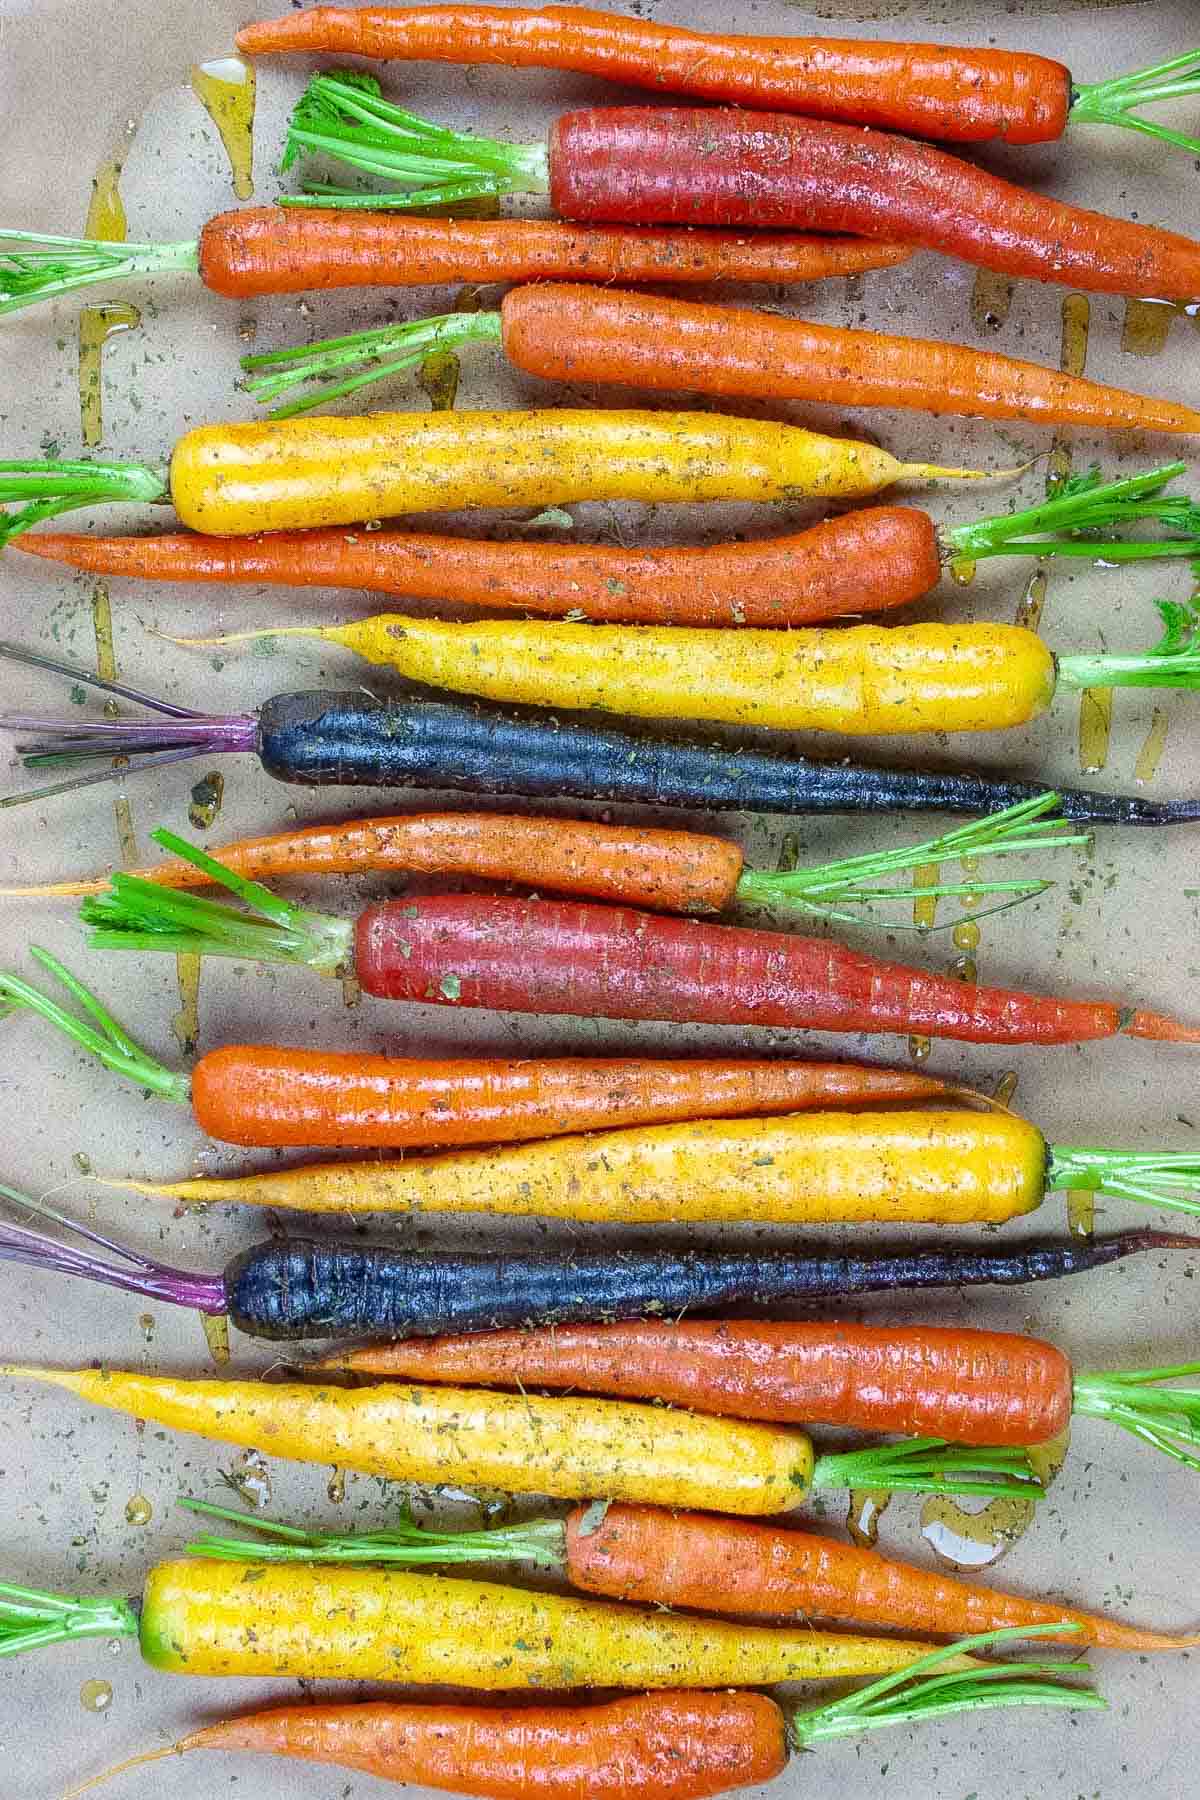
column 858, row 562
column 955, row 92
column 672, row 871
column 872, row 680
column 236, row 479
column 699, row 1562
column 578, row 334
column 257, row 250
column 720, row 166
column 327, row 1287
column 322, row 739
column 664, row 1746
column 565, row 1447
column 217, row 1618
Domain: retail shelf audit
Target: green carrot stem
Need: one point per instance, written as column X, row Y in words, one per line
column 345, row 116
column 135, row 914
column 1168, row 1418
column 541, row 1542
column 1079, row 519
column 30, row 1619
column 465, row 199
column 49, row 487
column 916, row 1693
column 1148, row 1176
column 61, row 265
column 1112, row 102
column 930, row 1466
column 381, row 354
column 106, row 1040
column 1174, row 662
column 828, row 889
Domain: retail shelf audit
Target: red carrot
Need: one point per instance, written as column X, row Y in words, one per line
column 958, row 93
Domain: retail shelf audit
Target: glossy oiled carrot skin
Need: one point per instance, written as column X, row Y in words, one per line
column 732, row 1566
column 703, row 167
column 346, row 1624
column 568, row 1448
column 235, row 479
column 672, row 871
column 930, row 90
column 664, row 1746
column 933, row 1166
column 275, row 1098
column 289, row 250
column 568, row 957
column 577, row 334
column 972, row 1387
column 860, row 562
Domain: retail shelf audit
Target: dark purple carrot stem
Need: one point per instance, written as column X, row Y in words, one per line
column 133, row 1272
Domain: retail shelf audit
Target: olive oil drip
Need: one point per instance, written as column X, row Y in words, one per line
column 972, row 1540
column 1147, row 324
column 226, row 91
column 991, row 298
column 866, row 1507
column 924, row 915
column 1150, row 754
column 1032, row 602
column 105, row 220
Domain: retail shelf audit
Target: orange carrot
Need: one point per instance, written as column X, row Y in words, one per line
column 285, row 250
column 687, row 1559
column 578, row 334
column 973, row 1387
column 665, row 1746
column 860, row 562
column 674, row 871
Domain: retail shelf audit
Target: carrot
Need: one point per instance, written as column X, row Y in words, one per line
column 859, row 680
column 567, row 1448
column 763, row 170
column 650, row 1557
column 237, row 479
column 669, row 870
column 954, row 92
column 280, row 250
column 976, row 1387
column 578, row 334
column 665, row 1746
column 860, row 562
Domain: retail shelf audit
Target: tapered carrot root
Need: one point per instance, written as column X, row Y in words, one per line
column 928, row 90
column 665, row 1746
column 285, row 250
column 579, row 334
column 861, row 562
column 689, row 1560
column 679, row 871
column 972, row 1387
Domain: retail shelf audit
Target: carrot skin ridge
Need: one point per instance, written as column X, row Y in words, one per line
column 253, row 251
column 743, row 1569
column 734, row 169
column 575, row 334
column 934, row 91
column 269, row 1097
column 670, row 1746
column 970, row 1387
column 574, row 958
column 870, row 560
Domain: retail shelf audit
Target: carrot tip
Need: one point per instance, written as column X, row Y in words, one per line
column 1160, row 1028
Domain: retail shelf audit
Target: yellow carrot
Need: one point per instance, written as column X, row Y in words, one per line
column 357, row 1624
column 865, row 679
column 231, row 479
column 937, row 1166
column 572, row 1449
